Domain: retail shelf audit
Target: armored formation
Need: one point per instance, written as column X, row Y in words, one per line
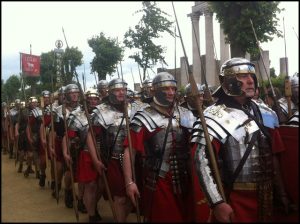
column 153, row 157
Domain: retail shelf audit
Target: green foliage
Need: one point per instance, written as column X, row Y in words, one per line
column 149, row 28
column 48, row 70
column 108, row 55
column 234, row 18
column 272, row 73
column 71, row 58
column 11, row 88
column 277, row 81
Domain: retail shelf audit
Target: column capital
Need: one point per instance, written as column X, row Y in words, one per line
column 207, row 12
column 195, row 16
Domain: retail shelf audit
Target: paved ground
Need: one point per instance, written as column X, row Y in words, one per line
column 23, row 200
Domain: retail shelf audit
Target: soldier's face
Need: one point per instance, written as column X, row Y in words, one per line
column 248, row 84
column 46, row 100
column 93, row 101
column 74, row 96
column 169, row 92
column 120, row 94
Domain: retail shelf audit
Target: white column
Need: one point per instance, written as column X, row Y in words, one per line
column 224, row 48
column 211, row 75
column 196, row 47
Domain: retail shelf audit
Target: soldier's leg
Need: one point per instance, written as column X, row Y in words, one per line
column 36, row 163
column 21, row 159
column 90, row 201
column 81, row 191
column 68, row 190
column 29, row 162
column 42, row 164
column 123, row 207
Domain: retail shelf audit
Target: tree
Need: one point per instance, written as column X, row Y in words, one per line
column 71, row 58
column 142, row 38
column 234, row 18
column 272, row 72
column 11, row 87
column 108, row 54
column 48, row 70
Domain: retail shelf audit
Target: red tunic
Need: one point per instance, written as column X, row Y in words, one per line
column 245, row 202
column 161, row 205
column 85, row 171
column 115, row 177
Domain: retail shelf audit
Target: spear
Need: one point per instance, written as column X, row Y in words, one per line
column 194, row 91
column 261, row 56
column 94, row 142
column 287, row 83
column 53, row 142
column 130, row 149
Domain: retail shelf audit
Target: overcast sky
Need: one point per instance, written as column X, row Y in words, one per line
column 40, row 24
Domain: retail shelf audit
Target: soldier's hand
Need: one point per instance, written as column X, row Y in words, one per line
column 52, row 152
column 68, row 160
column 132, row 192
column 100, row 167
column 223, row 212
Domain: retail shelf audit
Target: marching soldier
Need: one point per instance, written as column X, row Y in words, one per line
column 245, row 139
column 12, row 114
column 83, row 168
column 56, row 149
column 33, row 136
column 109, row 125
column 20, row 134
column 4, row 128
column 147, row 92
column 71, row 104
column 102, row 88
column 160, row 133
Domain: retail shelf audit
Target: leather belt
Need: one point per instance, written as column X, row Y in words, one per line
column 245, row 186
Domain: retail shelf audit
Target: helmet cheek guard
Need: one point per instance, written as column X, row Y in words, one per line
column 228, row 75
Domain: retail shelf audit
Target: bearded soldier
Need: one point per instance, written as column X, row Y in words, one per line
column 244, row 136
column 160, row 133
column 109, row 125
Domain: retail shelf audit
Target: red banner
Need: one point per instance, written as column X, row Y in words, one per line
column 30, row 64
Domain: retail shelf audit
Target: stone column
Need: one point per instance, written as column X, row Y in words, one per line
column 210, row 59
column 283, row 66
column 196, row 47
column 224, row 48
column 184, row 73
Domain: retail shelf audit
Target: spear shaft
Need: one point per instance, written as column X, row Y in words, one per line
column 194, row 89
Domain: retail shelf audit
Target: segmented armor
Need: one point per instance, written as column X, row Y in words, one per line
column 283, row 104
column 77, row 122
column 176, row 153
column 114, row 124
column 234, row 129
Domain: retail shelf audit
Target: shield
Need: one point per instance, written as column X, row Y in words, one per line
column 289, row 160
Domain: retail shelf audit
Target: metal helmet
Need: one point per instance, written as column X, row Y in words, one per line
column 115, row 84
column 61, row 90
column 162, row 79
column 91, row 92
column 130, row 93
column 23, row 104
column 71, row 88
column 46, row 93
column 188, row 90
column 33, row 99
column 228, row 75
column 146, row 89
column 4, row 104
column 102, row 84
column 12, row 104
column 17, row 101
column 295, row 80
